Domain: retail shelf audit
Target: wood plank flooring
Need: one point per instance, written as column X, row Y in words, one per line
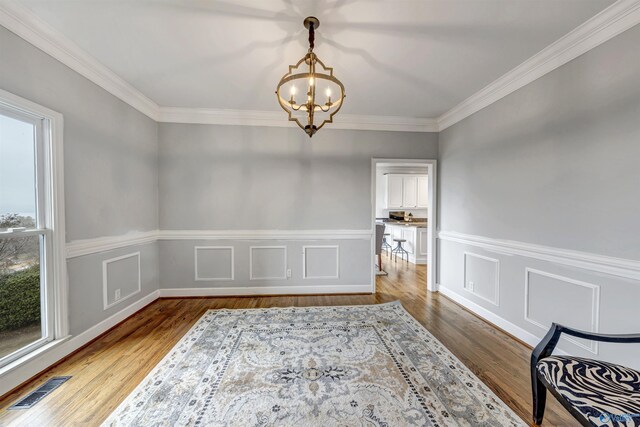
column 107, row 370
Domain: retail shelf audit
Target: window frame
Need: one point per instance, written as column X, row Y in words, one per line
column 50, row 222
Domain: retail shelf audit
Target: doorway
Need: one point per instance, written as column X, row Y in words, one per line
column 398, row 187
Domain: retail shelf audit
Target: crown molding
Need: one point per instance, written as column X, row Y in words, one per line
column 388, row 123
column 218, row 116
column 213, row 116
column 607, row 24
column 21, row 21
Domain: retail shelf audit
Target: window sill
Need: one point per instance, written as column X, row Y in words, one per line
column 41, row 351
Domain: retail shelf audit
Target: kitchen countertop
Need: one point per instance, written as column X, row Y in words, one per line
column 417, row 224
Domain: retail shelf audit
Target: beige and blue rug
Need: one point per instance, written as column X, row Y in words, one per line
column 317, row 366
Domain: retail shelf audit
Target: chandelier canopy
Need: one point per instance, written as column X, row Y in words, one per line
column 310, row 75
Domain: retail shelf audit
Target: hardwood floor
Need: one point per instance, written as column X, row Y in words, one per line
column 108, row 369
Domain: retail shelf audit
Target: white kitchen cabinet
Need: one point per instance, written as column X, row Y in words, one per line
column 406, row 191
column 394, row 191
column 409, row 191
column 423, row 191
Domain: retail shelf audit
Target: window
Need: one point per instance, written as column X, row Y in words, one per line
column 32, row 262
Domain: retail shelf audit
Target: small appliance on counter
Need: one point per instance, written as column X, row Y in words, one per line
column 396, row 215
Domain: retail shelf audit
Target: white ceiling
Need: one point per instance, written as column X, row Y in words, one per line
column 410, row 58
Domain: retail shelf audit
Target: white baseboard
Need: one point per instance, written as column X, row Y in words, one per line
column 489, row 316
column 496, row 320
column 267, row 290
column 14, row 376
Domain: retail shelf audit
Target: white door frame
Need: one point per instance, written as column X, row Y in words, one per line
column 432, row 167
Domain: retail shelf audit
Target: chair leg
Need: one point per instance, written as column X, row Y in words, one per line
column 539, row 399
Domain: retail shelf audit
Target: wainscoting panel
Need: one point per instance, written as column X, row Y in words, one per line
column 321, row 262
column 537, row 286
column 266, row 267
column 423, row 250
column 268, row 263
column 552, row 298
column 213, row 263
column 482, row 277
column 120, row 278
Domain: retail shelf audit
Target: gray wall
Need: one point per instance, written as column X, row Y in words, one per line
column 262, row 178
column 110, row 167
column 554, row 164
column 249, row 178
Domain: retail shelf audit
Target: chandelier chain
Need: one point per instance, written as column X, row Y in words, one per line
column 312, row 37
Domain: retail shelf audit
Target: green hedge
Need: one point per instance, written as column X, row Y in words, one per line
column 20, row 299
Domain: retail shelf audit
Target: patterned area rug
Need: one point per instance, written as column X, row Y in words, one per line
column 317, row 366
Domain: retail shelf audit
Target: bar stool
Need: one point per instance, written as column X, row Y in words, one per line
column 385, row 245
column 400, row 250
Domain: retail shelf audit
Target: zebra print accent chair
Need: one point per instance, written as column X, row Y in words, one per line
column 596, row 393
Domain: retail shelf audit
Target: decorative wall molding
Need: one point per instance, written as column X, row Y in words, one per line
column 83, row 247
column 20, row 20
column 197, row 277
column 612, row 21
column 270, row 290
column 607, row 24
column 265, row 234
column 105, row 280
column 620, row 267
column 305, row 255
column 496, row 285
column 595, row 306
column 285, row 266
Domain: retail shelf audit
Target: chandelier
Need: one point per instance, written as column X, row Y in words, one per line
column 312, row 75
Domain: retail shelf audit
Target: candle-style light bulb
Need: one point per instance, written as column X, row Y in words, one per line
column 328, row 93
column 310, row 81
column 292, row 91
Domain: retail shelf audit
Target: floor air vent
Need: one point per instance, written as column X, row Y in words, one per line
column 38, row 394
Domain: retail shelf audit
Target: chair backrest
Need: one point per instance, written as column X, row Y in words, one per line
column 379, row 236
